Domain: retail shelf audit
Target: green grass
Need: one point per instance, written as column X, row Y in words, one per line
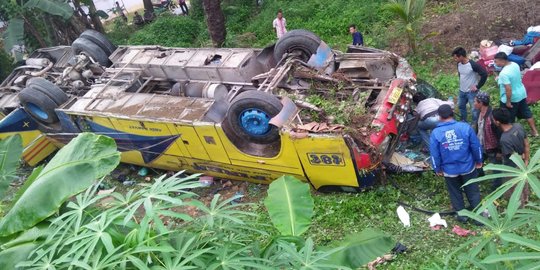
column 338, row 215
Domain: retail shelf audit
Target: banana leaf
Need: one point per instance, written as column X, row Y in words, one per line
column 14, row 34
column 10, row 155
column 360, row 249
column 73, row 169
column 58, row 8
column 289, row 205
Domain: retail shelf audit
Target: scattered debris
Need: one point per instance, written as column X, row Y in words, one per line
column 436, row 220
column 106, row 191
column 399, row 248
column 237, row 197
column 403, row 216
column 320, row 127
column 372, row 265
column 206, row 181
column 462, row 232
column 129, row 183
column 227, row 184
column 143, row 171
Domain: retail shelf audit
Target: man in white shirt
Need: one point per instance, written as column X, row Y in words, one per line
column 426, row 108
column 280, row 24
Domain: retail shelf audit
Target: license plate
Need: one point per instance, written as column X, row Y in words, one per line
column 396, row 94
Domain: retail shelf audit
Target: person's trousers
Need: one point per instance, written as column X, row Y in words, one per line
column 465, row 98
column 425, row 126
column 455, row 190
column 184, row 8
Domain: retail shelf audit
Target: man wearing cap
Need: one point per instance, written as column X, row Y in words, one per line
column 472, row 77
column 513, row 93
column 488, row 132
column 456, row 153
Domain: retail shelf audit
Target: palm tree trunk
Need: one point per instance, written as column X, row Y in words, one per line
column 215, row 21
column 96, row 21
column 83, row 16
column 411, row 36
column 148, row 5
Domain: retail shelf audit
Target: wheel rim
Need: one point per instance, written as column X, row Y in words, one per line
column 37, row 111
column 255, row 122
column 304, row 53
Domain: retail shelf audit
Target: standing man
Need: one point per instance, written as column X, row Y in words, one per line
column 280, row 24
column 488, row 132
column 456, row 153
column 357, row 38
column 120, row 11
column 513, row 140
column 513, row 93
column 426, row 108
column 472, row 77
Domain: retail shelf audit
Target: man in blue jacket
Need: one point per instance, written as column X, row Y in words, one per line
column 456, row 153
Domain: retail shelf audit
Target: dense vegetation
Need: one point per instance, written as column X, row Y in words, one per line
column 337, row 215
column 251, row 26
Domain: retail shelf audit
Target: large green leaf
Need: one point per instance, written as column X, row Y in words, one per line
column 58, row 8
column 290, row 205
column 14, row 34
column 73, row 169
column 10, row 154
column 10, row 257
column 362, row 248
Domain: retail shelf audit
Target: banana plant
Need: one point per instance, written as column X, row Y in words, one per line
column 291, row 209
column 73, row 169
column 10, row 153
column 499, row 246
column 19, row 19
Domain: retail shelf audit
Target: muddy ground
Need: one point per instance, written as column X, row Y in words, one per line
column 465, row 23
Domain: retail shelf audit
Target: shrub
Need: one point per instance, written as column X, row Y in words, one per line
column 169, row 31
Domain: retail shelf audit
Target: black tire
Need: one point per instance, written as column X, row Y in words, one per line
column 83, row 45
column 265, row 102
column 40, row 106
column 99, row 39
column 299, row 40
column 49, row 89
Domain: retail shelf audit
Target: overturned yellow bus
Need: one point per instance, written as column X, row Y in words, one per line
column 242, row 114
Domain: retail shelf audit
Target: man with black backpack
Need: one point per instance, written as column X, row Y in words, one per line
column 488, row 133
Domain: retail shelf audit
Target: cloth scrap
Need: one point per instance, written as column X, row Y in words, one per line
column 436, row 220
column 462, row 232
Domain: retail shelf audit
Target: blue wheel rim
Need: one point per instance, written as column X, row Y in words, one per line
column 254, row 122
column 37, row 111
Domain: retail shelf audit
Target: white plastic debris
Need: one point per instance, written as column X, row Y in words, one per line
column 403, row 216
column 206, row 181
column 436, row 220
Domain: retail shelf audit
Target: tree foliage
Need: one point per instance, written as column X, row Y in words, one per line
column 408, row 14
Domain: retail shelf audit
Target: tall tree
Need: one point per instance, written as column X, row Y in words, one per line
column 215, row 19
column 96, row 21
column 148, row 5
column 409, row 14
column 81, row 13
column 20, row 14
